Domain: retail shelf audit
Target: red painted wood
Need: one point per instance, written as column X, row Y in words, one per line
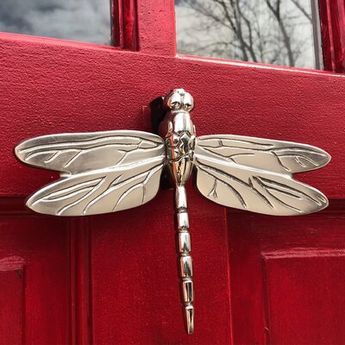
column 245, row 99
column 112, row 279
column 315, row 303
column 125, row 30
column 156, row 27
column 145, row 25
column 286, row 278
column 11, row 300
column 33, row 280
column 332, row 18
column 135, row 278
column 80, row 278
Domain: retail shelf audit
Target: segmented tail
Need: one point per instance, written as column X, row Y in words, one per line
column 185, row 259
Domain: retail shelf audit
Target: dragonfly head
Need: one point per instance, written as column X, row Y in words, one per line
column 179, row 99
column 177, row 120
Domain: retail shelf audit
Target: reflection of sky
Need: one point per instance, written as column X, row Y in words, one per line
column 201, row 35
column 83, row 20
column 89, row 20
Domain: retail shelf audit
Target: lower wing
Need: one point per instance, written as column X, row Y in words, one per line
column 234, row 185
column 100, row 191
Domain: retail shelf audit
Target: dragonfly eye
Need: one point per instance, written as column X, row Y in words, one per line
column 175, row 105
column 175, row 100
column 187, row 106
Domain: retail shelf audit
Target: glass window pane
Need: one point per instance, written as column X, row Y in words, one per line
column 270, row 31
column 83, row 20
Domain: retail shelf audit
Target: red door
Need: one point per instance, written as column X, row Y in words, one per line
column 112, row 279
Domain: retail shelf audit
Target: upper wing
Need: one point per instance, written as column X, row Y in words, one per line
column 108, row 171
column 79, row 152
column 256, row 174
column 266, row 154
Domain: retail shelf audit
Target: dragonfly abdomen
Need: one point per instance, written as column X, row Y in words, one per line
column 185, row 259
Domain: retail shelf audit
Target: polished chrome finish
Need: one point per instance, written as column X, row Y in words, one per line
column 179, row 99
column 179, row 133
column 189, row 315
column 187, row 290
column 184, row 250
column 111, row 171
column 181, row 197
column 101, row 172
column 182, row 220
column 184, row 242
column 186, row 266
column 256, row 174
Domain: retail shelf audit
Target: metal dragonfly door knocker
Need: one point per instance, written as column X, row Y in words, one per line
column 116, row 170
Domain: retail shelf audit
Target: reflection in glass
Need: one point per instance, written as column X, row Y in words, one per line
column 83, row 20
column 270, row 31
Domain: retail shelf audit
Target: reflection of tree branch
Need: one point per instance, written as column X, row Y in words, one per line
column 302, row 9
column 249, row 28
column 276, row 12
column 235, row 27
column 256, row 30
column 206, row 12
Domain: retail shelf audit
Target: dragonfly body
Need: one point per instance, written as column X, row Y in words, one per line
column 111, row 171
column 178, row 132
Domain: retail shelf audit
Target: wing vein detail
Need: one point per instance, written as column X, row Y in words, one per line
column 238, row 194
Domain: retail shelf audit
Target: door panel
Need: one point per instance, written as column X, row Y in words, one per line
column 11, row 299
column 287, row 278
column 34, row 279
